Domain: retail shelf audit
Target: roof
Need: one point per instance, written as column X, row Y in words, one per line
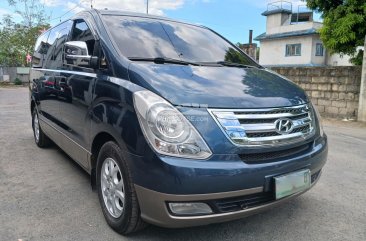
column 274, row 11
column 265, row 36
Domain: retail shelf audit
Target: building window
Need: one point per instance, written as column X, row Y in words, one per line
column 293, row 49
column 319, row 49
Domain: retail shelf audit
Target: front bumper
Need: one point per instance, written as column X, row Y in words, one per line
column 154, row 208
column 255, row 182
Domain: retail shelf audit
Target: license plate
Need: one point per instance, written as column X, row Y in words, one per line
column 291, row 183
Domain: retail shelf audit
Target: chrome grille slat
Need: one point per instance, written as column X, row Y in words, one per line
column 259, row 127
column 266, row 116
column 267, row 127
column 274, row 139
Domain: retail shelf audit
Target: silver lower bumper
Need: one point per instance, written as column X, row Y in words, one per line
column 154, row 208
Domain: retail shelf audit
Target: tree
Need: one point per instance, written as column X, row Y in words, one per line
column 17, row 39
column 31, row 11
column 343, row 26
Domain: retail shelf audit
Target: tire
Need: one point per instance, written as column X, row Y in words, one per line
column 40, row 137
column 116, row 192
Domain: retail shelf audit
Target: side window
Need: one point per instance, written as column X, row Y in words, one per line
column 58, row 36
column 319, row 51
column 293, row 49
column 40, row 49
column 82, row 32
column 63, row 35
column 50, row 43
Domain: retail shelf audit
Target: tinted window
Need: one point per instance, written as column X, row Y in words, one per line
column 40, row 49
column 59, row 44
column 81, row 32
column 58, row 36
column 150, row 38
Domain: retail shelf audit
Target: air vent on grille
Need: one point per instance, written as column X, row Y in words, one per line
column 273, row 155
column 243, row 202
column 266, row 127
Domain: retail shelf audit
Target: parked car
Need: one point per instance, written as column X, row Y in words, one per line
column 176, row 126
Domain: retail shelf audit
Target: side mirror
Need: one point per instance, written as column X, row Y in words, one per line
column 76, row 54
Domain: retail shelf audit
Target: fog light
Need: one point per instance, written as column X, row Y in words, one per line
column 190, row 208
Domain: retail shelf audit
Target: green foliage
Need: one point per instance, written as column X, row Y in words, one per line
column 357, row 59
column 18, row 39
column 17, row 81
column 344, row 25
column 234, row 56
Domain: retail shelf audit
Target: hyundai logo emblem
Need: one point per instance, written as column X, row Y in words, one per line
column 284, row 126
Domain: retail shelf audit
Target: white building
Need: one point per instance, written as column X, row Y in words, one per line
column 292, row 39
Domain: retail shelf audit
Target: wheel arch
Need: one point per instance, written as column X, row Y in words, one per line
column 98, row 141
column 32, row 105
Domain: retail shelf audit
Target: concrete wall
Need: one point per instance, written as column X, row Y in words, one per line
column 13, row 74
column 338, row 60
column 275, row 21
column 273, row 52
column 287, row 27
column 334, row 90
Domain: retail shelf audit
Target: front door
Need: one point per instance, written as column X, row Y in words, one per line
column 76, row 90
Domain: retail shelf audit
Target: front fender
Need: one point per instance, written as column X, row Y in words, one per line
column 112, row 112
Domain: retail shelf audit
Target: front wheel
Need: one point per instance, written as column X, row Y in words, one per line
column 116, row 193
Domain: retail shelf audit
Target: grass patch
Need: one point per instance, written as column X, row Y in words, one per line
column 11, row 84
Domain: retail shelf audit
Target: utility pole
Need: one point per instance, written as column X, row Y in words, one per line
column 147, row 6
column 362, row 100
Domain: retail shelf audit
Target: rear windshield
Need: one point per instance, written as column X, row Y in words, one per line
column 138, row 37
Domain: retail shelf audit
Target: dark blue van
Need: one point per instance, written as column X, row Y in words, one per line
column 176, row 126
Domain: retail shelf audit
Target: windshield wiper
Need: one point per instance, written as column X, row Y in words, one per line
column 161, row 60
column 231, row 64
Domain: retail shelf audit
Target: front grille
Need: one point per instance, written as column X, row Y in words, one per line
column 274, row 155
column 266, row 127
column 239, row 203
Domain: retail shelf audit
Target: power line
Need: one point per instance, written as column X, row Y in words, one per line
column 77, row 5
column 64, row 14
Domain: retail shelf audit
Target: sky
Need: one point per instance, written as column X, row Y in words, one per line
column 231, row 18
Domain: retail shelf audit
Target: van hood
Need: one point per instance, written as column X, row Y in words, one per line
column 217, row 87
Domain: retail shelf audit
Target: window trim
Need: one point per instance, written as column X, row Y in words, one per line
column 287, row 54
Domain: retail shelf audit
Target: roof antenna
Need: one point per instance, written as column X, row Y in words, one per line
column 91, row 3
column 147, row 6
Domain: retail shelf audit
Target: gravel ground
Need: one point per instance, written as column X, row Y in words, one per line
column 46, row 196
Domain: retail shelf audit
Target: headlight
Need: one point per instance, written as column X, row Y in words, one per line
column 320, row 123
column 166, row 129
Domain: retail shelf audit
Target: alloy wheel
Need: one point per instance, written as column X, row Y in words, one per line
column 112, row 185
column 36, row 127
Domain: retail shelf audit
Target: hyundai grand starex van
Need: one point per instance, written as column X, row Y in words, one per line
column 176, row 126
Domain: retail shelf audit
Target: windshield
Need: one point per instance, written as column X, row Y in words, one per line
column 138, row 37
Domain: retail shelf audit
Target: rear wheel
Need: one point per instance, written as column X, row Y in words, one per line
column 116, row 193
column 39, row 137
